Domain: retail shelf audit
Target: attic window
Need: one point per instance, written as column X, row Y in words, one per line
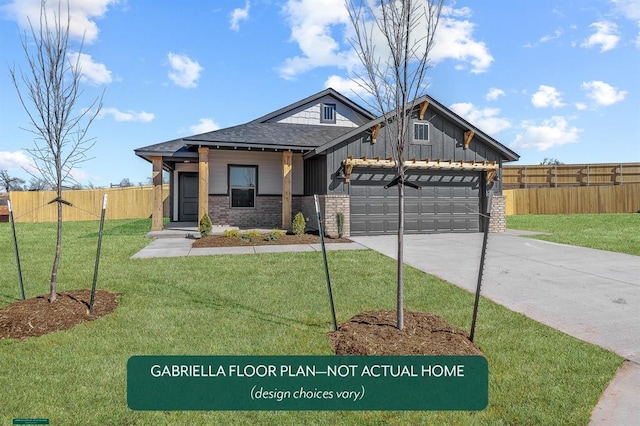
column 328, row 113
column 421, row 132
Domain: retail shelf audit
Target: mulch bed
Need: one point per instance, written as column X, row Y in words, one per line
column 222, row 241
column 375, row 333
column 36, row 316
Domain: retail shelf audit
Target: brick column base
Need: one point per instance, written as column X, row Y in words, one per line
column 498, row 222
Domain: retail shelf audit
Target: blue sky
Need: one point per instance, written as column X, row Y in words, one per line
column 557, row 79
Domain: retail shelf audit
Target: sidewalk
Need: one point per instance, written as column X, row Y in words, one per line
column 174, row 244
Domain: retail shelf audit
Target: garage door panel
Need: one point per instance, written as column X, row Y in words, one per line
column 446, row 203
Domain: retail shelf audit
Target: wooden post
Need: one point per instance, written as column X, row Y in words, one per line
column 203, row 181
column 156, row 178
column 286, row 188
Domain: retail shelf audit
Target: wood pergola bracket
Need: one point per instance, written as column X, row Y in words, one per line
column 468, row 135
column 375, row 130
column 423, row 108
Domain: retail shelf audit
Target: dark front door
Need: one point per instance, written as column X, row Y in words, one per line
column 188, row 197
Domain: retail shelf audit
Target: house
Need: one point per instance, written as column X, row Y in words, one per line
column 260, row 174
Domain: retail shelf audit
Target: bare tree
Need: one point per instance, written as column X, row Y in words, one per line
column 10, row 183
column 550, row 162
column 50, row 94
column 393, row 40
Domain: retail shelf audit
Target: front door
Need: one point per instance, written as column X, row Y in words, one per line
column 188, row 197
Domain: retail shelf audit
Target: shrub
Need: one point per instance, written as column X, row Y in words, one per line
column 205, row 225
column 252, row 234
column 298, row 224
column 231, row 233
column 340, row 222
column 274, row 235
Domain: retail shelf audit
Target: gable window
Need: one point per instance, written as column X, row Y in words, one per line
column 328, row 113
column 421, row 131
column 242, row 185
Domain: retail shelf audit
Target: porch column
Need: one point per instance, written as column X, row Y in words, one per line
column 203, row 182
column 286, row 188
column 156, row 179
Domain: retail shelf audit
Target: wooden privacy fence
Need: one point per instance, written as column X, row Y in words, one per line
column 572, row 200
column 562, row 175
column 122, row 203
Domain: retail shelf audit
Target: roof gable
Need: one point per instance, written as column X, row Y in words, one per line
column 435, row 107
column 350, row 114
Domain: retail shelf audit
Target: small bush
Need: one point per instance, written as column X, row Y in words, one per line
column 231, row 233
column 252, row 234
column 340, row 222
column 298, row 224
column 205, row 225
column 274, row 235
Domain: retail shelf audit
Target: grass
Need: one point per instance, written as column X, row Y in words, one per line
column 619, row 232
column 271, row 304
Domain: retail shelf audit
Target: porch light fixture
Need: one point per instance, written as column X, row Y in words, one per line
column 340, row 173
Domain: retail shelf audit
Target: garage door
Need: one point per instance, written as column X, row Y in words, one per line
column 447, row 202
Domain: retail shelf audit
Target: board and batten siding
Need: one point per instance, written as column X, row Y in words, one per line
column 446, row 142
column 269, row 170
column 310, row 114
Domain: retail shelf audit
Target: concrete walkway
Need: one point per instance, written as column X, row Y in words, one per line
column 178, row 245
column 590, row 294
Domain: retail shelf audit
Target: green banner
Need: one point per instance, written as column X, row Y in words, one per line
column 307, row 383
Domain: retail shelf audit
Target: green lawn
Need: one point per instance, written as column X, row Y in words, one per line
column 272, row 304
column 618, row 232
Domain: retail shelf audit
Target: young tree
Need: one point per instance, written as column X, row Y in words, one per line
column 393, row 40
column 50, row 92
column 10, row 183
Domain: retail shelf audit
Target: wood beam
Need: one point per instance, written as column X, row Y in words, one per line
column 468, row 135
column 156, row 180
column 375, row 130
column 287, row 179
column 421, row 164
column 423, row 108
column 203, row 182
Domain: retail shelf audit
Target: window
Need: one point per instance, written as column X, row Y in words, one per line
column 328, row 113
column 421, row 131
column 242, row 185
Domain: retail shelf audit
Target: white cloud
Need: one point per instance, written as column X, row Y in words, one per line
column 184, row 71
column 602, row 93
column 606, row 36
column 345, row 85
column 203, row 126
column 556, row 34
column 312, row 23
column 16, row 160
column 486, row 119
column 319, row 27
column 581, row 106
column 494, row 94
column 93, row 72
column 83, row 14
column 547, row 134
column 118, row 115
column 628, row 8
column 239, row 15
column 547, row 96
column 454, row 40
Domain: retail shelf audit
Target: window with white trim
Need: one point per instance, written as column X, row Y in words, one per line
column 242, row 185
column 328, row 113
column 421, row 132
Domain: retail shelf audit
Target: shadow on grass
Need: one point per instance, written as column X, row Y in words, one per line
column 250, row 311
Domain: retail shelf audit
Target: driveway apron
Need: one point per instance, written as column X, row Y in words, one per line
column 593, row 295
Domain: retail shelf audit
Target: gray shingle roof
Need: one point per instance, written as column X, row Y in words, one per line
column 270, row 135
